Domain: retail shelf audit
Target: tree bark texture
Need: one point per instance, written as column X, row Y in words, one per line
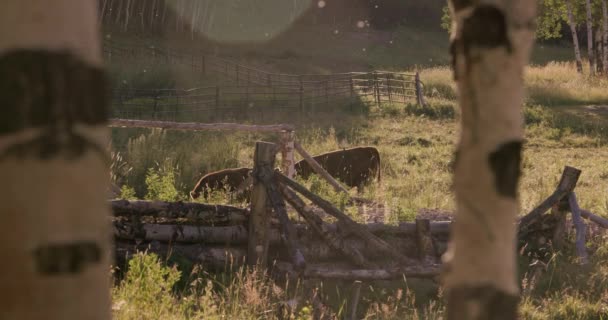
column 490, row 46
column 53, row 162
column 575, row 43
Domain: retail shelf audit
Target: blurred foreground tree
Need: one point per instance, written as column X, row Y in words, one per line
column 491, row 43
column 55, row 242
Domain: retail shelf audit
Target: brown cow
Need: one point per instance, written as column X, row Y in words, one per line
column 227, row 179
column 354, row 167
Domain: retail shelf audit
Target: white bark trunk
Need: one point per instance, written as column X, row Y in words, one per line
column 491, row 45
column 575, row 43
column 590, row 51
column 53, row 162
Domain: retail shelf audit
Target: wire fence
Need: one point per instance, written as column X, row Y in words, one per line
column 253, row 92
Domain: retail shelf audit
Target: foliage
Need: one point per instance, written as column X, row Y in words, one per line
column 160, row 183
column 446, row 19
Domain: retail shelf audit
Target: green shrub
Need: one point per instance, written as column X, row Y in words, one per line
column 436, row 111
column 160, row 184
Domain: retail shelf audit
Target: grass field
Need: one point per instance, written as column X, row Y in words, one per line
column 566, row 118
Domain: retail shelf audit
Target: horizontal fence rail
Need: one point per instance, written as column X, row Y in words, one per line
column 252, row 91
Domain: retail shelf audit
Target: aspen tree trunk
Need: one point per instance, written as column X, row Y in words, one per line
column 490, row 43
column 103, row 10
column 118, row 14
column 598, row 49
column 575, row 43
column 153, row 15
column 590, row 51
column 55, row 246
column 605, row 36
column 127, row 15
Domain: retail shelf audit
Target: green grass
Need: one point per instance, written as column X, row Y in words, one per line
column 566, row 124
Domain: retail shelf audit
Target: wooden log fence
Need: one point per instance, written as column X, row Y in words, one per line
column 315, row 247
column 414, row 252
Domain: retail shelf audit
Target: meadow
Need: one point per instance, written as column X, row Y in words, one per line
column 565, row 118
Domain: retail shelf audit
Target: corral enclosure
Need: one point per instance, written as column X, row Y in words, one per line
column 409, row 113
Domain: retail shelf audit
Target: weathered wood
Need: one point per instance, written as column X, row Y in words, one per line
column 333, row 238
column 198, row 213
column 581, row 229
column 599, row 220
column 345, row 221
column 338, row 273
column 181, row 233
column 212, row 258
column 424, row 241
column 259, row 221
column 419, row 92
column 287, row 154
column 354, row 300
column 288, row 232
column 567, row 183
column 319, row 169
column 559, row 234
column 193, row 126
column 237, row 234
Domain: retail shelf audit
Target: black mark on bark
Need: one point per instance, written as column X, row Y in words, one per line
column 51, row 92
column 61, row 259
column 485, row 28
column 505, row 163
column 481, row 302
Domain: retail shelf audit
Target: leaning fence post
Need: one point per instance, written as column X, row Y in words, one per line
column 259, row 220
column 419, row 93
column 287, row 158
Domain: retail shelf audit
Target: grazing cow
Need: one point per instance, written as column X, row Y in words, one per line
column 227, row 179
column 354, row 167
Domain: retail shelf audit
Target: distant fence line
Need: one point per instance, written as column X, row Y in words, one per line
column 254, row 90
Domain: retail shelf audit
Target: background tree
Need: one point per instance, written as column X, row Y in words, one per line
column 490, row 44
column 605, row 36
column 590, row 52
column 55, row 243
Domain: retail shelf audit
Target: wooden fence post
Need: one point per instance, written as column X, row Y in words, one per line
column 376, row 89
column 259, row 220
column 354, row 300
column 388, row 88
column 287, row 158
column 424, row 241
column 419, row 93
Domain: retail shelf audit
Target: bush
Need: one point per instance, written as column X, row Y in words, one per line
column 160, row 183
column 436, row 111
